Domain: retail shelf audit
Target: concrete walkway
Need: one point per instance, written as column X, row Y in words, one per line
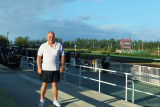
column 25, row 91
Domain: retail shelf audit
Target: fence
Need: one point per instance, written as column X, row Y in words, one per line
column 116, row 85
column 28, row 61
column 118, row 70
column 145, row 71
column 148, row 73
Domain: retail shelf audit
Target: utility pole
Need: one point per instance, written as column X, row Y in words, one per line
column 142, row 43
column 93, row 43
column 7, row 34
column 7, row 38
column 131, row 42
column 158, row 50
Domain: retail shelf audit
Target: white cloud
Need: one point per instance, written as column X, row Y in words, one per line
column 20, row 18
column 82, row 17
column 27, row 9
column 111, row 26
column 149, row 34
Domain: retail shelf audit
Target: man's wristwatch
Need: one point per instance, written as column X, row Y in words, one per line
column 62, row 66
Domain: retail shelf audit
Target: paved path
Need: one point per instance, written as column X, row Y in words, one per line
column 25, row 91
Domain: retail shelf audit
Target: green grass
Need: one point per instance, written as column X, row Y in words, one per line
column 102, row 52
column 6, row 100
column 119, row 58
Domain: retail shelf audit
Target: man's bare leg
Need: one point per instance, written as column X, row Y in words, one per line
column 55, row 90
column 43, row 90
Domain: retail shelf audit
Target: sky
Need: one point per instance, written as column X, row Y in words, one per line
column 71, row 19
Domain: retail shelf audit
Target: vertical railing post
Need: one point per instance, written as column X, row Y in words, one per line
column 127, row 66
column 22, row 60
column 33, row 63
column 126, row 86
column 80, row 76
column 133, row 92
column 27, row 62
column 140, row 72
column 65, row 73
column 99, row 89
column 132, row 71
column 120, row 67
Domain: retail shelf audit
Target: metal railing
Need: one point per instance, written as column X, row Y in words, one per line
column 26, row 60
column 99, row 80
column 112, row 84
column 138, row 70
column 126, row 89
column 120, row 71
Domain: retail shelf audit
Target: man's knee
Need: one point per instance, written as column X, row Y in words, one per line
column 54, row 84
column 44, row 85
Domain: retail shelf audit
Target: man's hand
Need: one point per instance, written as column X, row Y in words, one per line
column 39, row 70
column 61, row 70
column 39, row 64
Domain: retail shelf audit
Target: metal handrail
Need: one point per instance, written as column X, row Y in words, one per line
column 27, row 62
column 139, row 72
column 126, row 87
column 99, row 80
column 132, row 91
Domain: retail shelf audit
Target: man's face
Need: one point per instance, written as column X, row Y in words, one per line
column 50, row 38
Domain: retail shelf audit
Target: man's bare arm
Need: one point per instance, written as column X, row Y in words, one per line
column 62, row 63
column 39, row 64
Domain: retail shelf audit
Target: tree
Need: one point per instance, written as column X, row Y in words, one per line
column 21, row 41
column 58, row 40
column 3, row 41
column 66, row 44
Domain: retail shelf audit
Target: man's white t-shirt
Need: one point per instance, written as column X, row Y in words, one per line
column 51, row 56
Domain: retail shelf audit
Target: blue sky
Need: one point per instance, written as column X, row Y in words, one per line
column 71, row 19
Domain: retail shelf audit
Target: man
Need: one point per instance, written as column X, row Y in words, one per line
column 93, row 64
column 50, row 70
column 108, row 58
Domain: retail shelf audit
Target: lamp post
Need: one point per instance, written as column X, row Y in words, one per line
column 11, row 43
column 158, row 50
column 142, row 43
column 7, row 38
column 7, row 34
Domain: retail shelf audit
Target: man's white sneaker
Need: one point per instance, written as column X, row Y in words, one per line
column 41, row 103
column 56, row 103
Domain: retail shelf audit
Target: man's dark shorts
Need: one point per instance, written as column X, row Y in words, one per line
column 50, row 76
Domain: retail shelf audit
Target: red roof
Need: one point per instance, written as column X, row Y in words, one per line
column 126, row 40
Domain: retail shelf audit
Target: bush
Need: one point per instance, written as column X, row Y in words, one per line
column 103, row 52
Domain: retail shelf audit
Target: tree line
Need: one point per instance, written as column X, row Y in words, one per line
column 111, row 44
column 81, row 43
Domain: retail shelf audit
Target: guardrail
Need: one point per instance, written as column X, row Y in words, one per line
column 99, row 80
column 116, row 85
column 138, row 70
column 26, row 60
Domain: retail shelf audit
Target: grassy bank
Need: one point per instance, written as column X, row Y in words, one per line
column 121, row 57
column 6, row 100
column 118, row 58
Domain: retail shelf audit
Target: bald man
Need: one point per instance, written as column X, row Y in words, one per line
column 50, row 70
